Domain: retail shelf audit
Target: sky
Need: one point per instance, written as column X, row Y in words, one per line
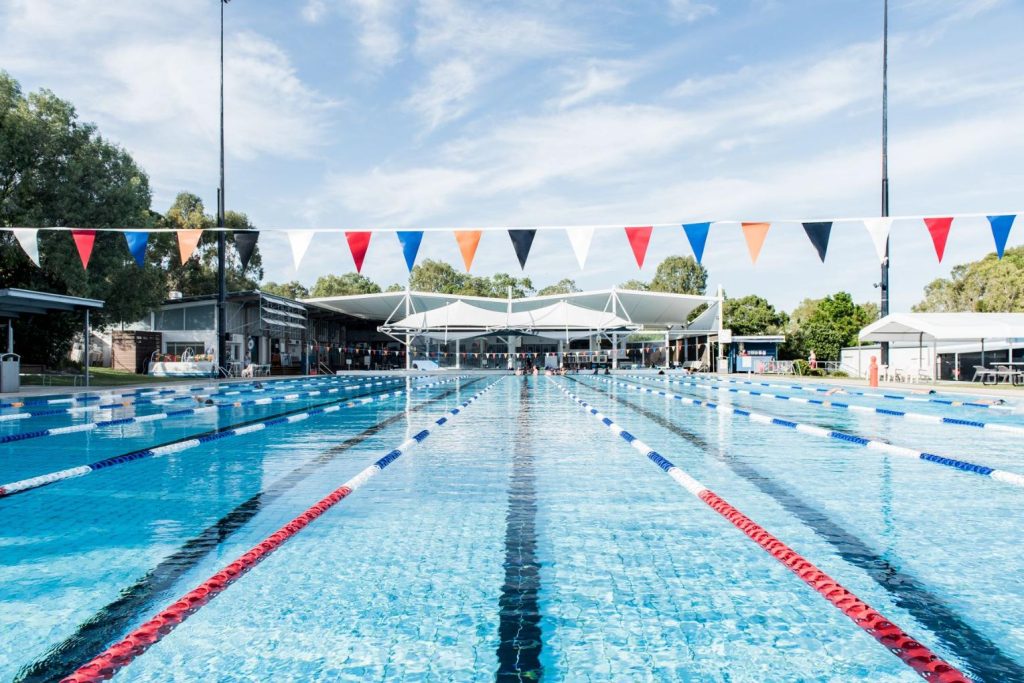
column 411, row 114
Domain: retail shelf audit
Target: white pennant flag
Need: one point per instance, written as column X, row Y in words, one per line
column 27, row 239
column 580, row 239
column 299, row 241
column 879, row 229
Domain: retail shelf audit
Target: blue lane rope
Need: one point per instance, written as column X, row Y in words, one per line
column 872, row 444
column 185, row 444
column 838, row 405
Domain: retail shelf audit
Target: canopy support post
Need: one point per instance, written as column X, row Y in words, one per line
column 85, row 347
column 458, row 361
column 668, row 351
column 408, row 352
column 615, row 350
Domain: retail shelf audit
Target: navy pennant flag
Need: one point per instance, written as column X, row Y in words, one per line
column 522, row 240
column 245, row 243
column 818, row 233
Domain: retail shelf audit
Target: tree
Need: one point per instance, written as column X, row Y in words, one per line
column 500, row 283
column 753, row 315
column 395, row 287
column 988, row 285
column 680, row 275
column 198, row 275
column 563, row 286
column 342, row 285
column 635, row 285
column 58, row 171
column 436, row 276
column 289, row 290
column 833, row 324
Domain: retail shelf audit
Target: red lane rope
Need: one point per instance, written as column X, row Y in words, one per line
column 915, row 655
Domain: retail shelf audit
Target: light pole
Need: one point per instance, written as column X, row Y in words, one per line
column 221, row 237
column 884, row 284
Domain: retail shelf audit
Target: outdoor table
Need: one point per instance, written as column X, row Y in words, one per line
column 1013, row 375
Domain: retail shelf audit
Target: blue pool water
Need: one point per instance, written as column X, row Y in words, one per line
column 520, row 541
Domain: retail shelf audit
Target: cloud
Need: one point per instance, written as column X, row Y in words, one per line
column 689, row 11
column 314, row 10
column 444, row 96
column 465, row 46
column 592, row 81
column 154, row 88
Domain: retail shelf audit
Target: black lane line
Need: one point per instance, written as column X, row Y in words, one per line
column 111, row 622
column 519, row 633
column 983, row 658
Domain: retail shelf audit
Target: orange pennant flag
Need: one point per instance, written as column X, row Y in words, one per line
column 468, row 241
column 188, row 240
column 755, row 233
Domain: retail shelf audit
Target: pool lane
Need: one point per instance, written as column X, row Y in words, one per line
column 929, row 528
column 986, row 660
column 69, row 550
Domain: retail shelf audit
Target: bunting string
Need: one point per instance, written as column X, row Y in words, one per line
column 580, row 237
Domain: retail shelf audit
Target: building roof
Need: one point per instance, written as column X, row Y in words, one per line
column 14, row 302
column 921, row 327
column 656, row 310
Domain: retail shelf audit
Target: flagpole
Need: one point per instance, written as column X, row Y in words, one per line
column 221, row 236
column 884, row 284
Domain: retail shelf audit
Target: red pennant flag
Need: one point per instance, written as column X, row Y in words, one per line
column 939, row 230
column 84, row 240
column 358, row 243
column 639, row 238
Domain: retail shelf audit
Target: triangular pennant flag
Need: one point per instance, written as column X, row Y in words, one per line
column 1001, row 231
column 137, row 246
column 84, row 239
column 580, row 239
column 299, row 241
column 358, row 243
column 938, row 228
column 755, row 233
column 245, row 244
column 879, row 229
column 410, row 245
column 28, row 239
column 522, row 240
column 818, row 233
column 639, row 238
column 468, row 241
column 697, row 234
column 187, row 242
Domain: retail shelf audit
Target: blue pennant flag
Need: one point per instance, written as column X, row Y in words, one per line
column 410, row 240
column 137, row 245
column 1001, row 231
column 697, row 233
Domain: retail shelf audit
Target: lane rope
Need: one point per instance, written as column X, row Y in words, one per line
column 144, row 396
column 838, row 405
column 119, row 655
column 910, row 651
column 867, row 394
column 192, row 442
column 871, row 444
column 185, row 412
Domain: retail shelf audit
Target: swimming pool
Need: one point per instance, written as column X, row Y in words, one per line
column 508, row 532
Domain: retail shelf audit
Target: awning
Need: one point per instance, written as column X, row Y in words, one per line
column 15, row 302
column 918, row 327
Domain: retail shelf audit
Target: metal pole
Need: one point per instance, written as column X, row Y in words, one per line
column 85, row 347
column 884, row 284
column 221, row 237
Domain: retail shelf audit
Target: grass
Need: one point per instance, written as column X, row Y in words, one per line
column 98, row 377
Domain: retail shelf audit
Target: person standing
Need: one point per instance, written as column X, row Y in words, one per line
column 812, row 360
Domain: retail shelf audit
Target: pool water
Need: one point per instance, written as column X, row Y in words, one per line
column 521, row 540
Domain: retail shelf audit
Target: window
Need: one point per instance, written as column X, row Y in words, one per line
column 199, row 317
column 178, row 348
column 170, row 319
